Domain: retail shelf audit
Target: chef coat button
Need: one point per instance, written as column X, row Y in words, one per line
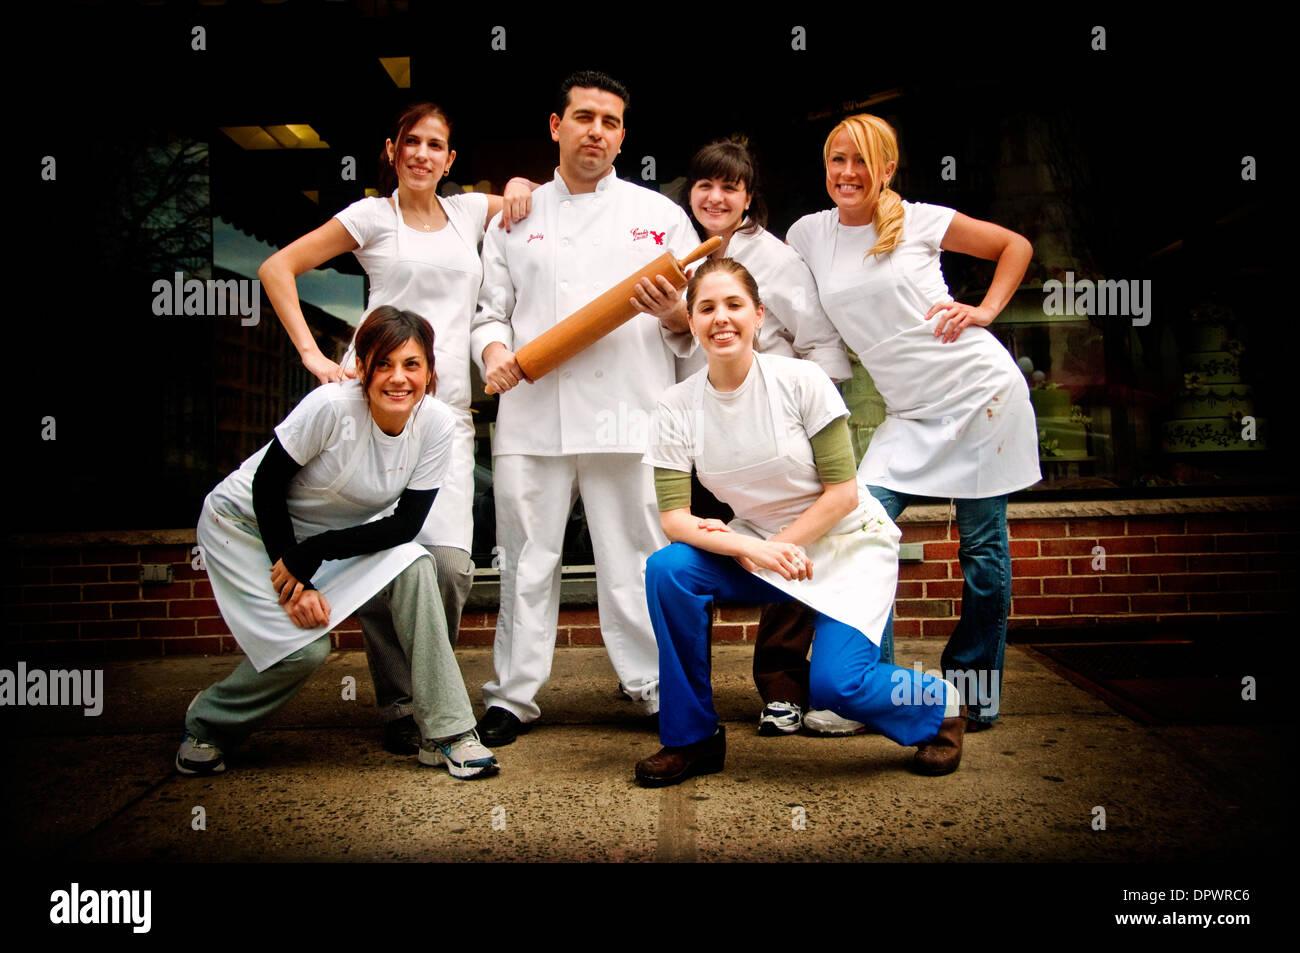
column 564, row 285
column 567, row 203
column 600, row 373
column 567, row 374
column 564, row 242
column 596, row 241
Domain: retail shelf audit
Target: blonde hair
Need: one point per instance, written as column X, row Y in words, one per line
column 877, row 143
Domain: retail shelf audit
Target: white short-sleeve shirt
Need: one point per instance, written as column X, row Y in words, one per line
column 736, row 429
column 372, row 223
column 916, row 259
column 434, row 274
column 322, row 434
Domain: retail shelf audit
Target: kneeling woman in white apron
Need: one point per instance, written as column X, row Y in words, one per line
column 768, row 436
column 317, row 522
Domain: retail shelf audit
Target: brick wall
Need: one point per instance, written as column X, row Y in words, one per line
column 80, row 595
column 1116, row 570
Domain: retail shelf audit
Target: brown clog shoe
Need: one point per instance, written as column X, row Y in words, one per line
column 673, row 765
column 942, row 753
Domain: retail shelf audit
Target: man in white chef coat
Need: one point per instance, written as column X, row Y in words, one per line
column 580, row 430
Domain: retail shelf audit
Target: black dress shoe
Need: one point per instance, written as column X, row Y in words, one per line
column 402, row 736
column 499, row 727
column 673, row 765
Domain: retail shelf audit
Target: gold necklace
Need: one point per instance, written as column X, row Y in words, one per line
column 424, row 224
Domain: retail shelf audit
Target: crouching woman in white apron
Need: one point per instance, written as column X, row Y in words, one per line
column 768, row 435
column 317, row 522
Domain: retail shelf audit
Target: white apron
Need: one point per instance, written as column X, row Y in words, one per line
column 444, row 294
column 240, row 570
column 958, row 419
column 855, row 565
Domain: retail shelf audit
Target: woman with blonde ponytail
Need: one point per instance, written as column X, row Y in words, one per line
column 958, row 422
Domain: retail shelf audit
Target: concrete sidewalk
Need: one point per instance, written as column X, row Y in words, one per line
column 315, row 784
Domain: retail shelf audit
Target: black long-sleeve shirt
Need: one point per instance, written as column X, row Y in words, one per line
column 303, row 559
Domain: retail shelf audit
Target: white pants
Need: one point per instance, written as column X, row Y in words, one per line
column 534, row 497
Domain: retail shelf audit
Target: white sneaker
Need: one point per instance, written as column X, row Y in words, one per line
column 825, row 722
column 780, row 718
column 465, row 756
column 196, row 757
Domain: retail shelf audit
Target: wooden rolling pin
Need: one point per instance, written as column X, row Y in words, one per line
column 597, row 318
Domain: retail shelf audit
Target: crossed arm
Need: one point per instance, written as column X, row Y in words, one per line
column 782, row 553
column 294, row 563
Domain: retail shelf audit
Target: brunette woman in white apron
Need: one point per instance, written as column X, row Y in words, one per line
column 958, row 422
column 768, row 435
column 420, row 253
column 293, row 544
column 723, row 198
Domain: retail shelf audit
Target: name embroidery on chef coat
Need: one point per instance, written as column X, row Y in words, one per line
column 640, row 233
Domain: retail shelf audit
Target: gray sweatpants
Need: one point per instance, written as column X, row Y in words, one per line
column 389, row 669
column 227, row 712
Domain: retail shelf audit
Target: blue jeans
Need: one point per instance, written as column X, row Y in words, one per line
column 846, row 675
column 975, row 650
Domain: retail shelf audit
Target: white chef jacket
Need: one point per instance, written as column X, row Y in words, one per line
column 794, row 324
column 569, row 250
column 958, row 419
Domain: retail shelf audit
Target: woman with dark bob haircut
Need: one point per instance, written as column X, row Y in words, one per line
column 293, row 546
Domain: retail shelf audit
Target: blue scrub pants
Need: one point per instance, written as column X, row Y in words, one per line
column 846, row 677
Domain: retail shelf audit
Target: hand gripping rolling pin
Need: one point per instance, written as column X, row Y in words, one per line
column 597, row 318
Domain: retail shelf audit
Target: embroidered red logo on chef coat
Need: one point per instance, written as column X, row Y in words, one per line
column 658, row 236
column 640, row 233
column 538, row 235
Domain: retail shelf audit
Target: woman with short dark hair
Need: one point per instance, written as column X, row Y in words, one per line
column 293, row 545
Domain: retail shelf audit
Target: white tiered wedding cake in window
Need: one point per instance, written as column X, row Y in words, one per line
column 1062, row 425
column 1214, row 410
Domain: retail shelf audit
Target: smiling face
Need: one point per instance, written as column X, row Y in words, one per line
column 398, row 382
column 424, row 154
column 724, row 317
column 853, row 185
column 590, row 134
column 719, row 206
